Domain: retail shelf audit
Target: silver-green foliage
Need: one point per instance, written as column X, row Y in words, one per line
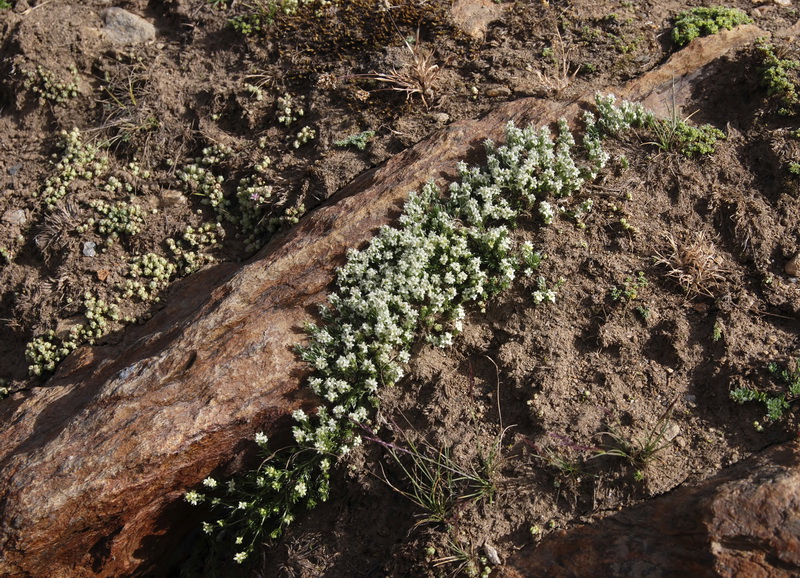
column 79, row 160
column 148, row 275
column 774, row 403
column 46, row 351
column 121, row 218
column 359, row 140
column 44, row 84
column 412, row 281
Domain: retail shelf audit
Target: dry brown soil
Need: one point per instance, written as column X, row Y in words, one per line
column 537, row 387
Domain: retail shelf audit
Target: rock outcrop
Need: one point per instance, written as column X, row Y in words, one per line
column 742, row 522
column 93, row 465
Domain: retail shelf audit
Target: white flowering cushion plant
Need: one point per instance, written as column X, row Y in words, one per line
column 412, row 281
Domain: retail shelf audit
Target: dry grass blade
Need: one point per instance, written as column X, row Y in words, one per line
column 694, row 263
column 561, row 76
column 127, row 103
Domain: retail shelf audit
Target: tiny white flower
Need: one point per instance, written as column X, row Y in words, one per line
column 210, row 483
column 261, row 439
column 193, row 497
column 240, row 557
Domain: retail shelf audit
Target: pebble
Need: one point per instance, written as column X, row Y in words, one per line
column 672, row 431
column 15, row 217
column 441, row 117
column 122, row 27
column 501, row 91
column 491, row 554
column 172, row 198
column 89, row 249
column 791, row 267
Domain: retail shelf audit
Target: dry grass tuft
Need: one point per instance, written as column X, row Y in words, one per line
column 53, row 236
column 560, row 77
column 694, row 263
column 418, row 76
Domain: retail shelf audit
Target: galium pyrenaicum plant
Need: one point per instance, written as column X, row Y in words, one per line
column 416, row 280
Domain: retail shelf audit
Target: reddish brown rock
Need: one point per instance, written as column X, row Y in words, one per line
column 743, row 522
column 93, row 465
column 474, row 16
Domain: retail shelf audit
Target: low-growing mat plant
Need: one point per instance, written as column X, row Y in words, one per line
column 79, row 160
column 774, row 403
column 675, row 134
column 702, row 21
column 43, row 83
column 779, row 75
column 359, row 140
column 412, row 281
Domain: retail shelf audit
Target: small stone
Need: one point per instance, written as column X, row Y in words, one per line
column 673, row 430
column 491, row 554
column 14, row 170
column 499, row 91
column 783, row 2
column 89, row 249
column 791, row 267
column 172, row 198
column 122, row 27
column 441, row 117
column 15, row 217
column 474, row 16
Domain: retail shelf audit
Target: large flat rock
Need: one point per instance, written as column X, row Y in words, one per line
column 93, row 465
column 742, row 522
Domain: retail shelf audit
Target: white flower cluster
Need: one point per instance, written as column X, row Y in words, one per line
column 610, row 121
column 531, row 165
column 614, row 120
column 530, row 258
column 411, row 280
column 543, row 294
